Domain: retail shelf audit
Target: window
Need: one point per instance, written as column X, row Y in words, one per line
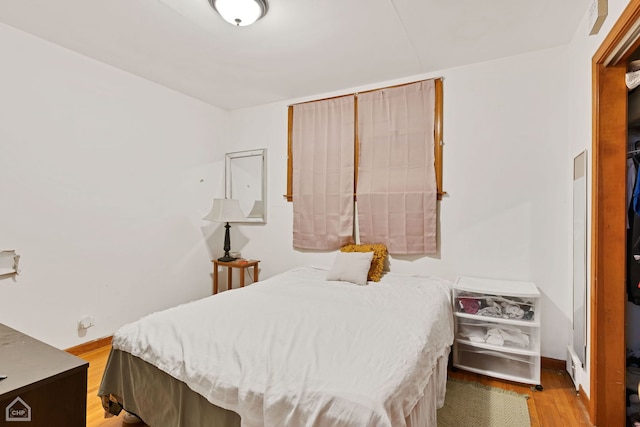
column 383, row 147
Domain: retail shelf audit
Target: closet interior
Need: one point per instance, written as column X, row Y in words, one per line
column 632, row 333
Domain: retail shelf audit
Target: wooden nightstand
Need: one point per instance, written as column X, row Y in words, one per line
column 241, row 264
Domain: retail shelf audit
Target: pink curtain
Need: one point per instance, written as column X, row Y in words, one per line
column 397, row 193
column 323, row 173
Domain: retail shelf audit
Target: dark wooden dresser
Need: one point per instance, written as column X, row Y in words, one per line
column 44, row 386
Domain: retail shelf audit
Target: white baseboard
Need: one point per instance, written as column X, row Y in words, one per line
column 574, row 367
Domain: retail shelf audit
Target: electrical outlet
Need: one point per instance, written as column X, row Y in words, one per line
column 85, row 322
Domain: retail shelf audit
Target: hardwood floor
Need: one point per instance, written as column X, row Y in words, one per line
column 557, row 405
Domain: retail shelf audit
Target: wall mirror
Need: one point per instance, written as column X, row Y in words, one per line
column 246, row 181
column 580, row 256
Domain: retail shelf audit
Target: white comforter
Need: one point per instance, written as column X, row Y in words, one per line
column 296, row 350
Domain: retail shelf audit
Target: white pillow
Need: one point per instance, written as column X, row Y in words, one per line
column 351, row 267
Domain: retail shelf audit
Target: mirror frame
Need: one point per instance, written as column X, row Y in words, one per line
column 580, row 231
column 262, row 154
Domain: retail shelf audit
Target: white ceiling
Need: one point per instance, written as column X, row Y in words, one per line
column 301, row 47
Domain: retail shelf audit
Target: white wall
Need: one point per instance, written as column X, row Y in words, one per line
column 579, row 58
column 104, row 179
column 506, row 172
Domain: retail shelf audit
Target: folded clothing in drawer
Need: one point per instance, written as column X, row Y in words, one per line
column 495, row 306
column 499, row 335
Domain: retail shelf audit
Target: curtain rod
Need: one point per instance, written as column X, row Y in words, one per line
column 365, row 91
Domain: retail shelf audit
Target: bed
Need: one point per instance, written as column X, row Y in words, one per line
column 293, row 350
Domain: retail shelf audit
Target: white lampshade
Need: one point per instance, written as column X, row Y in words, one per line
column 240, row 12
column 226, row 210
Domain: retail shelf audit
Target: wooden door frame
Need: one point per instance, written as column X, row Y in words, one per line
column 608, row 229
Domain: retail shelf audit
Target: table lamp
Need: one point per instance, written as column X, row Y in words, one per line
column 226, row 210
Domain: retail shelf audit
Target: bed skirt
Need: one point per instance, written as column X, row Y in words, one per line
column 160, row 400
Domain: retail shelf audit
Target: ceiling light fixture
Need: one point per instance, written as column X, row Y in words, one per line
column 240, row 12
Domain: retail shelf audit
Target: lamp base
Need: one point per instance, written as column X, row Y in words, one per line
column 227, row 245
